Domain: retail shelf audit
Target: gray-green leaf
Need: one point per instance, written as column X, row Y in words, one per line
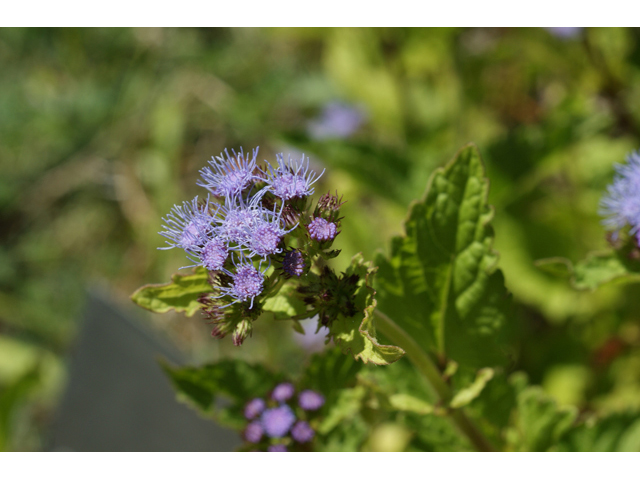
column 181, row 294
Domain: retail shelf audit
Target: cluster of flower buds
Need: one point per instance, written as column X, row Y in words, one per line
column 252, row 230
column 621, row 203
column 283, row 421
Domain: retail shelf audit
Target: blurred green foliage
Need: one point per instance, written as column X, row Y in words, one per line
column 103, row 130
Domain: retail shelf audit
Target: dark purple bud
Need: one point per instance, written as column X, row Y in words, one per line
column 277, row 448
column 310, row 400
column 278, row 421
column 254, row 408
column 283, row 392
column 321, row 230
column 302, row 432
column 253, row 433
column 293, row 263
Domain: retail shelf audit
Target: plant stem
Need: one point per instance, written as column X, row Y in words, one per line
column 427, row 368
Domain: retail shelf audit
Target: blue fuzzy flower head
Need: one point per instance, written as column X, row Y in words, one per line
column 337, row 120
column 278, row 421
column 231, row 175
column 186, row 224
column 621, row 204
column 291, row 179
column 247, row 283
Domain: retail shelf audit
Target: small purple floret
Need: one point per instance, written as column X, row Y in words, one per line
column 302, row 432
column 247, row 283
column 321, row 230
column 253, row 433
column 254, row 408
column 277, row 448
column 293, row 263
column 283, row 392
column 310, row 400
column 213, row 254
column 277, row 421
column 264, row 238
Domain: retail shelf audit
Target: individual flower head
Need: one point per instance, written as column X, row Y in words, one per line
column 282, row 392
column 278, row 421
column 291, row 179
column 210, row 252
column 254, row 408
column 254, row 432
column 310, row 400
column 186, row 224
column 302, row 432
column 265, row 233
column 322, row 230
column 621, row 203
column 337, row 120
column 246, row 283
column 230, row 176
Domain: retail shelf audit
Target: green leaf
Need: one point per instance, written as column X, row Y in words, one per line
column 180, row 295
column 409, row 403
column 235, row 380
column 470, row 393
column 286, row 303
column 357, row 334
column 540, row 422
column 440, row 282
column 597, row 269
column 619, row 432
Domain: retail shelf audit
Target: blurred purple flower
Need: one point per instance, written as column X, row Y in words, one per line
column 283, row 392
column 253, row 408
column 310, row 400
column 253, row 433
column 277, row 421
column 565, row 32
column 337, row 120
column 302, row 432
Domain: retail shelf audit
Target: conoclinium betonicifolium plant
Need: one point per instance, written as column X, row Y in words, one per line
column 424, row 353
column 259, row 242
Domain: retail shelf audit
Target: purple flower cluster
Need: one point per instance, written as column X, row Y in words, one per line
column 279, row 422
column 240, row 224
column 621, row 204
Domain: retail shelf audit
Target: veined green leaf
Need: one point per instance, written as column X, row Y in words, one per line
column 595, row 270
column 357, row 334
column 181, row 294
column 440, row 282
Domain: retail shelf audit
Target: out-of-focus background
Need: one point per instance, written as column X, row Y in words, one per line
column 103, row 130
